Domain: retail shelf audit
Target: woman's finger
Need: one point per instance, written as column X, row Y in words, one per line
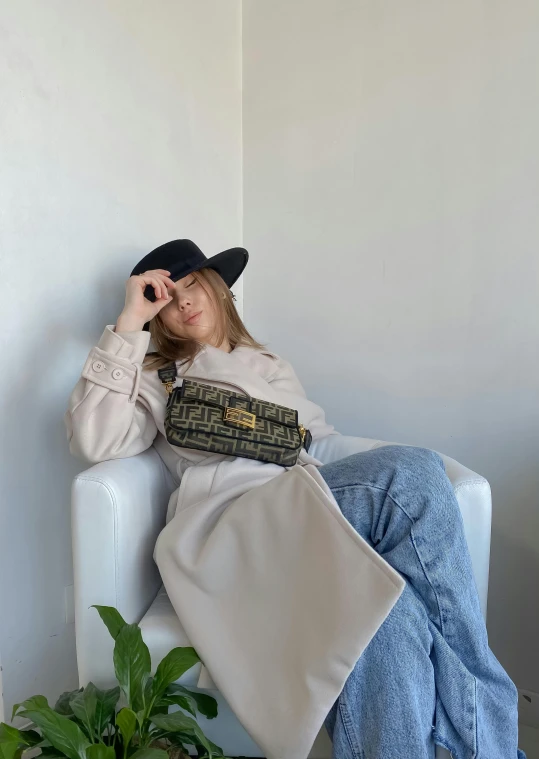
column 158, row 281
column 160, row 273
column 162, row 289
column 154, row 282
column 166, row 283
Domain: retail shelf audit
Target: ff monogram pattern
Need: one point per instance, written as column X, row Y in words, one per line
column 196, row 413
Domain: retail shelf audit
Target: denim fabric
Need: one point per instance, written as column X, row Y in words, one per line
column 428, row 676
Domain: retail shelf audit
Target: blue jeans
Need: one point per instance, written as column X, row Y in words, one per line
column 428, row 676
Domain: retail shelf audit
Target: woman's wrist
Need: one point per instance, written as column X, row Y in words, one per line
column 128, row 323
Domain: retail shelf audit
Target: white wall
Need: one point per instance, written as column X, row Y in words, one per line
column 120, row 128
column 391, row 186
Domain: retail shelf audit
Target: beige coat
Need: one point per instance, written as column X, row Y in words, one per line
column 277, row 592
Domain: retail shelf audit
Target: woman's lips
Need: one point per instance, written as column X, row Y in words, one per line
column 193, row 319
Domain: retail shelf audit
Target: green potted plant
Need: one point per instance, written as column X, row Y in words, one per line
column 130, row 721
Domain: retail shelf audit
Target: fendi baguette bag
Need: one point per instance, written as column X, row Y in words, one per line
column 211, row 419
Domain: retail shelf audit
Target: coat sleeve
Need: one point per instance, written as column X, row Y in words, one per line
column 105, row 418
column 285, row 380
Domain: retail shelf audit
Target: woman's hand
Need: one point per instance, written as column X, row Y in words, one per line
column 137, row 309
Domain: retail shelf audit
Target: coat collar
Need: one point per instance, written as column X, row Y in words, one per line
column 248, row 369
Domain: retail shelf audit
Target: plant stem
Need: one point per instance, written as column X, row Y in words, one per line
column 90, row 732
column 145, row 727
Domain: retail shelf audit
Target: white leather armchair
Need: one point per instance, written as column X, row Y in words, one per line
column 118, row 510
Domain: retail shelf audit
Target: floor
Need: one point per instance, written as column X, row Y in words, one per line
column 529, row 741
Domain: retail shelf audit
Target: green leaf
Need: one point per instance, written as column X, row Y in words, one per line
column 51, row 753
column 84, row 705
column 181, row 740
column 62, row 733
column 206, row 705
column 141, row 716
column 131, row 663
column 11, row 750
column 112, row 618
column 161, row 706
column 187, row 737
column 126, row 719
column 8, row 733
column 34, row 702
column 149, row 753
column 100, row 751
column 178, row 722
column 173, row 723
column 217, row 751
column 147, row 692
column 62, row 706
column 30, row 737
column 148, row 685
column 175, row 663
column 105, row 708
column 13, row 741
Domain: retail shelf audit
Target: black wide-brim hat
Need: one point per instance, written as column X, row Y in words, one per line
column 182, row 257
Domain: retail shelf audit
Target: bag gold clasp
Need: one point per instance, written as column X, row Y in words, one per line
column 240, row 416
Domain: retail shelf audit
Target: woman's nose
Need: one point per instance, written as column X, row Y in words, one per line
column 184, row 300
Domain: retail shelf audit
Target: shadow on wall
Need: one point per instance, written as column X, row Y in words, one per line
column 38, row 647
column 515, row 607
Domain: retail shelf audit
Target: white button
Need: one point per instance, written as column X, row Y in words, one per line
column 98, row 366
column 117, row 374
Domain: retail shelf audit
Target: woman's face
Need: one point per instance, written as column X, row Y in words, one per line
column 190, row 313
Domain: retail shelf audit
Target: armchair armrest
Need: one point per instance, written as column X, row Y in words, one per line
column 472, row 492
column 118, row 510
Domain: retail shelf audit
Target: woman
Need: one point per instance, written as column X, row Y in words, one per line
column 422, row 673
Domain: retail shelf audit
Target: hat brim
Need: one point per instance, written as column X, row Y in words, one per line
column 229, row 264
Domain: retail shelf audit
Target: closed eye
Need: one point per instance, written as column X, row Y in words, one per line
column 192, row 282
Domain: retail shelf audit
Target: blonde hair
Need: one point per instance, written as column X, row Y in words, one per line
column 171, row 347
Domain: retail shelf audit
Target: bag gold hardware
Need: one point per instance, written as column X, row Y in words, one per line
column 302, row 432
column 239, row 416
